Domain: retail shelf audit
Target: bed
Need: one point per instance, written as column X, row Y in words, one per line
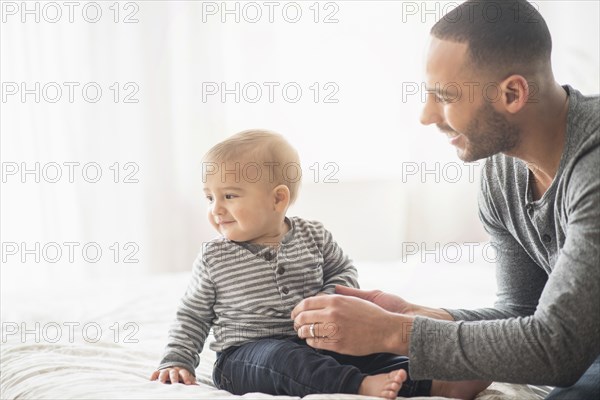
column 98, row 337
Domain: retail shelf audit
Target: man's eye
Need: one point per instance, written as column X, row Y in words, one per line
column 230, row 196
column 441, row 99
column 209, row 198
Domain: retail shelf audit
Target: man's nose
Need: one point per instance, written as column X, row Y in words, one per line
column 431, row 111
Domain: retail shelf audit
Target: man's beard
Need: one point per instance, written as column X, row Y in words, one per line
column 487, row 134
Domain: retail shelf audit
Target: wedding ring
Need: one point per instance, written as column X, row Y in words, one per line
column 312, row 330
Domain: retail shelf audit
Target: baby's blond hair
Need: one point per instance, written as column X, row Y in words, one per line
column 278, row 160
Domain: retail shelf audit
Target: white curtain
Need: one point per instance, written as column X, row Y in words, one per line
column 169, row 70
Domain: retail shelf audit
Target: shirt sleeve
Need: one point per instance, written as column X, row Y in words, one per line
column 519, row 279
column 192, row 323
column 559, row 341
column 338, row 269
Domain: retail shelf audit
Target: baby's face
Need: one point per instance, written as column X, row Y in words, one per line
column 240, row 209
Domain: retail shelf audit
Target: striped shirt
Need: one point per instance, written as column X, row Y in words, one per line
column 246, row 292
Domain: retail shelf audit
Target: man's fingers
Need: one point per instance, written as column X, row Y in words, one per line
column 305, row 333
column 368, row 295
column 314, row 343
column 154, row 375
column 311, row 303
column 348, row 291
column 310, row 317
column 319, row 330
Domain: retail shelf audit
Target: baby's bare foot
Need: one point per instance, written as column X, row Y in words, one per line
column 383, row 385
column 465, row 390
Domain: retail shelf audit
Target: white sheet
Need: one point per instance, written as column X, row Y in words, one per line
column 77, row 368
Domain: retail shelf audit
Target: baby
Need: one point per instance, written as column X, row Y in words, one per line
column 246, row 283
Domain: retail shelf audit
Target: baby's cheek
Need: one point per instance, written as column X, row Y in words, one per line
column 243, row 216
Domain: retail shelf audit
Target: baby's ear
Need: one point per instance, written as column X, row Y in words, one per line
column 281, row 196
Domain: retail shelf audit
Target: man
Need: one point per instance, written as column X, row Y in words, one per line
column 492, row 91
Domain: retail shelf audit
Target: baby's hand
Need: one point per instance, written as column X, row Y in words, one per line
column 174, row 375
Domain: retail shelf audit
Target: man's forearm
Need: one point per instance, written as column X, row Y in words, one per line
column 399, row 339
column 398, row 328
column 435, row 313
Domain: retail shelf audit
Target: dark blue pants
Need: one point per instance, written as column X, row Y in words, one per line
column 291, row 367
column 587, row 387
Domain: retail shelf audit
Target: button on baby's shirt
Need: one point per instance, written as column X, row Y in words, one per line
column 280, row 270
column 285, row 290
column 269, row 256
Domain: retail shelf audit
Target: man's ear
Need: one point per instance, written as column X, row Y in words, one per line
column 515, row 93
column 281, row 196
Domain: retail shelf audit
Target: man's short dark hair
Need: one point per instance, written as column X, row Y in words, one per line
column 502, row 35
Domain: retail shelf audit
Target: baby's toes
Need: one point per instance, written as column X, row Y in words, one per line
column 398, row 376
column 389, row 394
column 393, row 386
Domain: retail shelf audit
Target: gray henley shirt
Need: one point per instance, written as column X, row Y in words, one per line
column 545, row 325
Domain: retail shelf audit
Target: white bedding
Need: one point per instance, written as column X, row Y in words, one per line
column 78, row 367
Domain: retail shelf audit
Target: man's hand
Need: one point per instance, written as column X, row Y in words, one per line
column 393, row 303
column 350, row 325
column 174, row 375
column 389, row 302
